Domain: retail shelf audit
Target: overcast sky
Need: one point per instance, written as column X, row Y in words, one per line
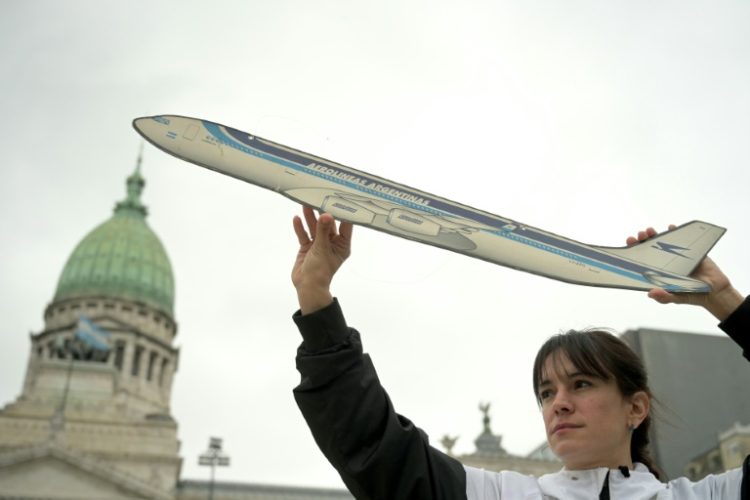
column 589, row 119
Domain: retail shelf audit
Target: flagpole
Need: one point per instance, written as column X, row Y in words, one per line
column 87, row 340
column 57, row 423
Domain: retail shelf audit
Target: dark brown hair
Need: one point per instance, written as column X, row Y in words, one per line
column 600, row 353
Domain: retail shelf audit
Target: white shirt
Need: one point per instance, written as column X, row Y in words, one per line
column 587, row 485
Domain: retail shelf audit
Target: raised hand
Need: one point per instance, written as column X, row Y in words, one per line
column 322, row 250
column 721, row 301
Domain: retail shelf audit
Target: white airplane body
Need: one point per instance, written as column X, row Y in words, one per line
column 663, row 261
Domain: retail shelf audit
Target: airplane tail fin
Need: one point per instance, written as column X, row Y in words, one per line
column 678, row 250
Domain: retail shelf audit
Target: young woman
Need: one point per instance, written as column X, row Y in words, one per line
column 591, row 388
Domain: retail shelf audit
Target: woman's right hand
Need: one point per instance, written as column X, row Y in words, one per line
column 322, row 250
column 721, row 301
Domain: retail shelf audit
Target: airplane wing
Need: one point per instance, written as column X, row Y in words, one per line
column 368, row 200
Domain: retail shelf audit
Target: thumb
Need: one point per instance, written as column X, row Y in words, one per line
column 662, row 296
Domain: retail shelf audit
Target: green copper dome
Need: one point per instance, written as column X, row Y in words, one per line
column 121, row 258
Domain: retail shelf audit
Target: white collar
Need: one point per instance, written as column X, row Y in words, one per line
column 587, row 484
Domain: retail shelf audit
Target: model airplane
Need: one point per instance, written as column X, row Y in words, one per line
column 665, row 260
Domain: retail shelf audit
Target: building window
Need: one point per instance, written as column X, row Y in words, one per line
column 137, row 361
column 119, row 354
column 151, row 362
column 716, row 463
column 694, row 472
column 100, row 356
column 163, row 370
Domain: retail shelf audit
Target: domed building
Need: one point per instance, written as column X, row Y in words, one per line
column 95, row 422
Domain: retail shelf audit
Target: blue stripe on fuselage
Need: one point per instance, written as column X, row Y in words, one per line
column 522, row 234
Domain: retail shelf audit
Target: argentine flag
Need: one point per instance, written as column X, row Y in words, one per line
column 91, row 335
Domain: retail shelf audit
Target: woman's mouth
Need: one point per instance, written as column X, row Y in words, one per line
column 564, row 427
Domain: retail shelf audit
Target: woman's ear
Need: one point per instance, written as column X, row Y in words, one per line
column 640, row 405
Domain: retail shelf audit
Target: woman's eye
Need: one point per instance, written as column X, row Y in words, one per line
column 545, row 394
column 580, row 384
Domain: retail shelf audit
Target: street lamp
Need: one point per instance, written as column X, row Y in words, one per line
column 213, row 457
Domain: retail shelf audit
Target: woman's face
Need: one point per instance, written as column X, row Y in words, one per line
column 587, row 419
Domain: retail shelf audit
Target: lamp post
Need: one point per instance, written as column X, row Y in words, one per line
column 212, row 457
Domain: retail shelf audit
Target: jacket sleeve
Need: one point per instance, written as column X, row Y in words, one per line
column 378, row 453
column 737, row 326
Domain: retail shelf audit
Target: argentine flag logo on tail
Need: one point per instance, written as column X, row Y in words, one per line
column 91, row 336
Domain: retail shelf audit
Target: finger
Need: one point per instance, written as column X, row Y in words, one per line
column 631, row 240
column 325, row 228
column 312, row 221
column 650, row 232
column 672, row 226
column 345, row 230
column 299, row 229
column 330, row 224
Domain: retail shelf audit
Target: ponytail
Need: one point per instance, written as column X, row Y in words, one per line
column 640, row 450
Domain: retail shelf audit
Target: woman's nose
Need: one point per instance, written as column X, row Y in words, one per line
column 562, row 403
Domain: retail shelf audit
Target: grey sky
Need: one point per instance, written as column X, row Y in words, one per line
column 589, row 119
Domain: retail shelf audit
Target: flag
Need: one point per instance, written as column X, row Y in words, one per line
column 91, row 336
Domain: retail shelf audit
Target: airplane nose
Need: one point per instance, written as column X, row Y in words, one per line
column 160, row 130
column 148, row 126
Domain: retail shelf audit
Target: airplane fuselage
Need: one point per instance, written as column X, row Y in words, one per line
column 365, row 199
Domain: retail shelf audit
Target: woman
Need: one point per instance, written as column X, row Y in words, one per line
column 595, row 408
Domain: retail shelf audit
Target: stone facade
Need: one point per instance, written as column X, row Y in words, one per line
column 199, row 490
column 114, row 410
column 51, row 471
column 732, row 446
